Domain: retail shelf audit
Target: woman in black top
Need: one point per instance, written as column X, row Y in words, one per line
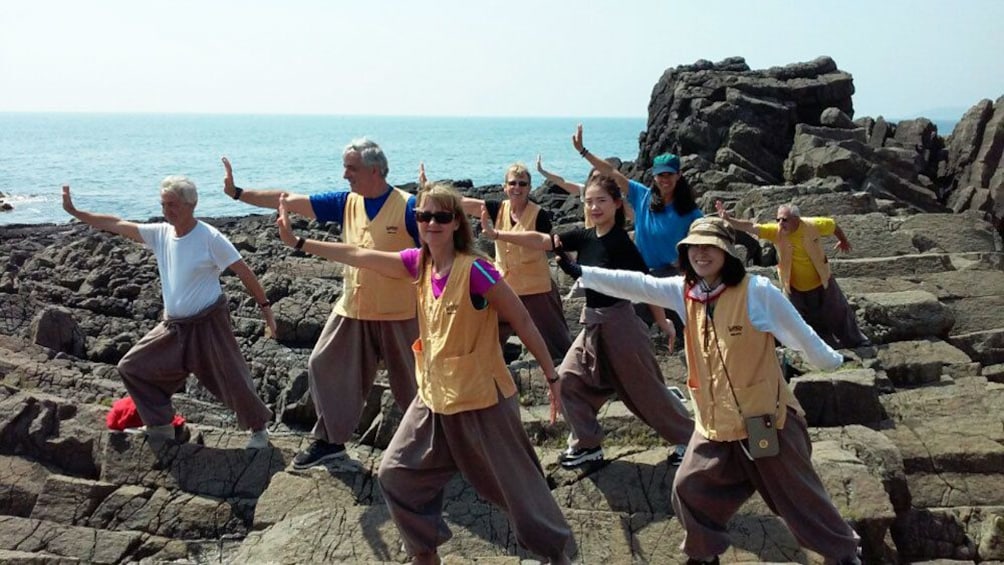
column 612, row 353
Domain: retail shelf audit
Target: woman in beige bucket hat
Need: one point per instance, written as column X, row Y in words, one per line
column 737, row 388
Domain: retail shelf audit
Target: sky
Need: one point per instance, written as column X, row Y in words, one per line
column 477, row 58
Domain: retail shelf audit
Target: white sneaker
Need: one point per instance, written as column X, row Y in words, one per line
column 259, row 440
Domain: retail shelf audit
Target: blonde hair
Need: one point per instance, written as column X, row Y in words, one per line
column 445, row 197
column 517, row 170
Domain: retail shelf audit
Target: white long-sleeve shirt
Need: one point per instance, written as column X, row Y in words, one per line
column 768, row 309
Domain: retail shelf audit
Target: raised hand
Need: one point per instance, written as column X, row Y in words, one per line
column 486, row 224
column 722, row 212
column 68, row 200
column 282, row 222
column 422, row 179
column 577, row 139
column 228, row 180
column 540, row 165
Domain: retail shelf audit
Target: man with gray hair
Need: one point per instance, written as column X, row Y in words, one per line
column 375, row 317
column 196, row 335
column 804, row 271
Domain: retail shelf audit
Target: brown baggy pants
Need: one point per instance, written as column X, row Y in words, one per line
column 716, row 477
column 204, row 345
column 826, row 310
column 343, row 364
column 613, row 354
column 491, row 450
column 548, row 315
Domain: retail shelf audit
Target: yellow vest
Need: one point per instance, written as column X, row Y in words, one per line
column 458, row 361
column 731, row 346
column 525, row 269
column 813, row 248
column 367, row 295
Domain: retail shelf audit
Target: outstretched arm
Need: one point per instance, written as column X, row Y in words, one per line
column 263, row 197
column 103, row 222
column 512, row 310
column 247, row 276
column 530, row 239
column 386, row 263
column 567, row 186
column 600, row 165
column 744, row 225
column 472, row 206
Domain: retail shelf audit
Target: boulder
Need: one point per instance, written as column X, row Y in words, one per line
column 896, row 316
column 840, row 398
column 911, row 363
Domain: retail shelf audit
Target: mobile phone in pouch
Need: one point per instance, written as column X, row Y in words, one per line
column 762, row 434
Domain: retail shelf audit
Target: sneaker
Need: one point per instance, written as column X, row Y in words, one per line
column 713, row 561
column 574, row 457
column 318, row 453
column 259, row 440
column 676, row 456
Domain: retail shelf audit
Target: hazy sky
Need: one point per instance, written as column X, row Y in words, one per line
column 472, row 57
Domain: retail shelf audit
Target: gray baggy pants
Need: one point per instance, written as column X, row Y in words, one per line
column 491, row 450
column 343, row 364
column 826, row 310
column 204, row 345
column 548, row 315
column 613, row 354
column 716, row 477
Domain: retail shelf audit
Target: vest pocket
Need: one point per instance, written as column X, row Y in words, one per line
column 758, row 399
column 458, row 381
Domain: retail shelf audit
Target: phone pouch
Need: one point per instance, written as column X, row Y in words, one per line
column 762, row 434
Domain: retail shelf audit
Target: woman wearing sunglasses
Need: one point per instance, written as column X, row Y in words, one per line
column 526, row 270
column 612, row 354
column 737, row 387
column 465, row 417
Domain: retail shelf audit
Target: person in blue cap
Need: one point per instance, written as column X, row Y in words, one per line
column 663, row 211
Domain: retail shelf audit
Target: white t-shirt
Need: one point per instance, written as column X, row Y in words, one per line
column 189, row 266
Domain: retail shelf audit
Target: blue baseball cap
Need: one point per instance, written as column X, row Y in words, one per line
column 666, row 163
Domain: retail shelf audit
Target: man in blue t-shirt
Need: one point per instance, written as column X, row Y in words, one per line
column 370, row 322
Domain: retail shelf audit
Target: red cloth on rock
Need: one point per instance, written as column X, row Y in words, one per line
column 124, row 415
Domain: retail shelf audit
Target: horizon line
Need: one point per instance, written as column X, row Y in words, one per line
column 311, row 114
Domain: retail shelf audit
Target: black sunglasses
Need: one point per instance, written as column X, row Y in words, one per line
column 440, row 217
column 519, row 183
column 782, row 220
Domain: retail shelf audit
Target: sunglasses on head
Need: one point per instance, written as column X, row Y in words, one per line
column 519, row 183
column 440, row 217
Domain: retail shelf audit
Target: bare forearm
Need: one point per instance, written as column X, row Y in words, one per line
column 108, row 223
column 743, row 225
column 261, row 197
column 529, row 239
column 528, row 333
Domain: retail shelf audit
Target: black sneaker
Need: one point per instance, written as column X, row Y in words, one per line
column 574, row 457
column 318, row 453
column 676, row 456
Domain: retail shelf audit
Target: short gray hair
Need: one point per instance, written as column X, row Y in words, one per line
column 182, row 186
column 792, row 209
column 370, row 153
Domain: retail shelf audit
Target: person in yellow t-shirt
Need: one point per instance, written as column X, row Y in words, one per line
column 804, row 271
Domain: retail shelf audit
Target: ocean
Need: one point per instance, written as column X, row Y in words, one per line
column 114, row 162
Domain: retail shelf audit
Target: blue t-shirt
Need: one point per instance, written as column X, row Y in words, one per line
column 330, row 207
column 657, row 233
